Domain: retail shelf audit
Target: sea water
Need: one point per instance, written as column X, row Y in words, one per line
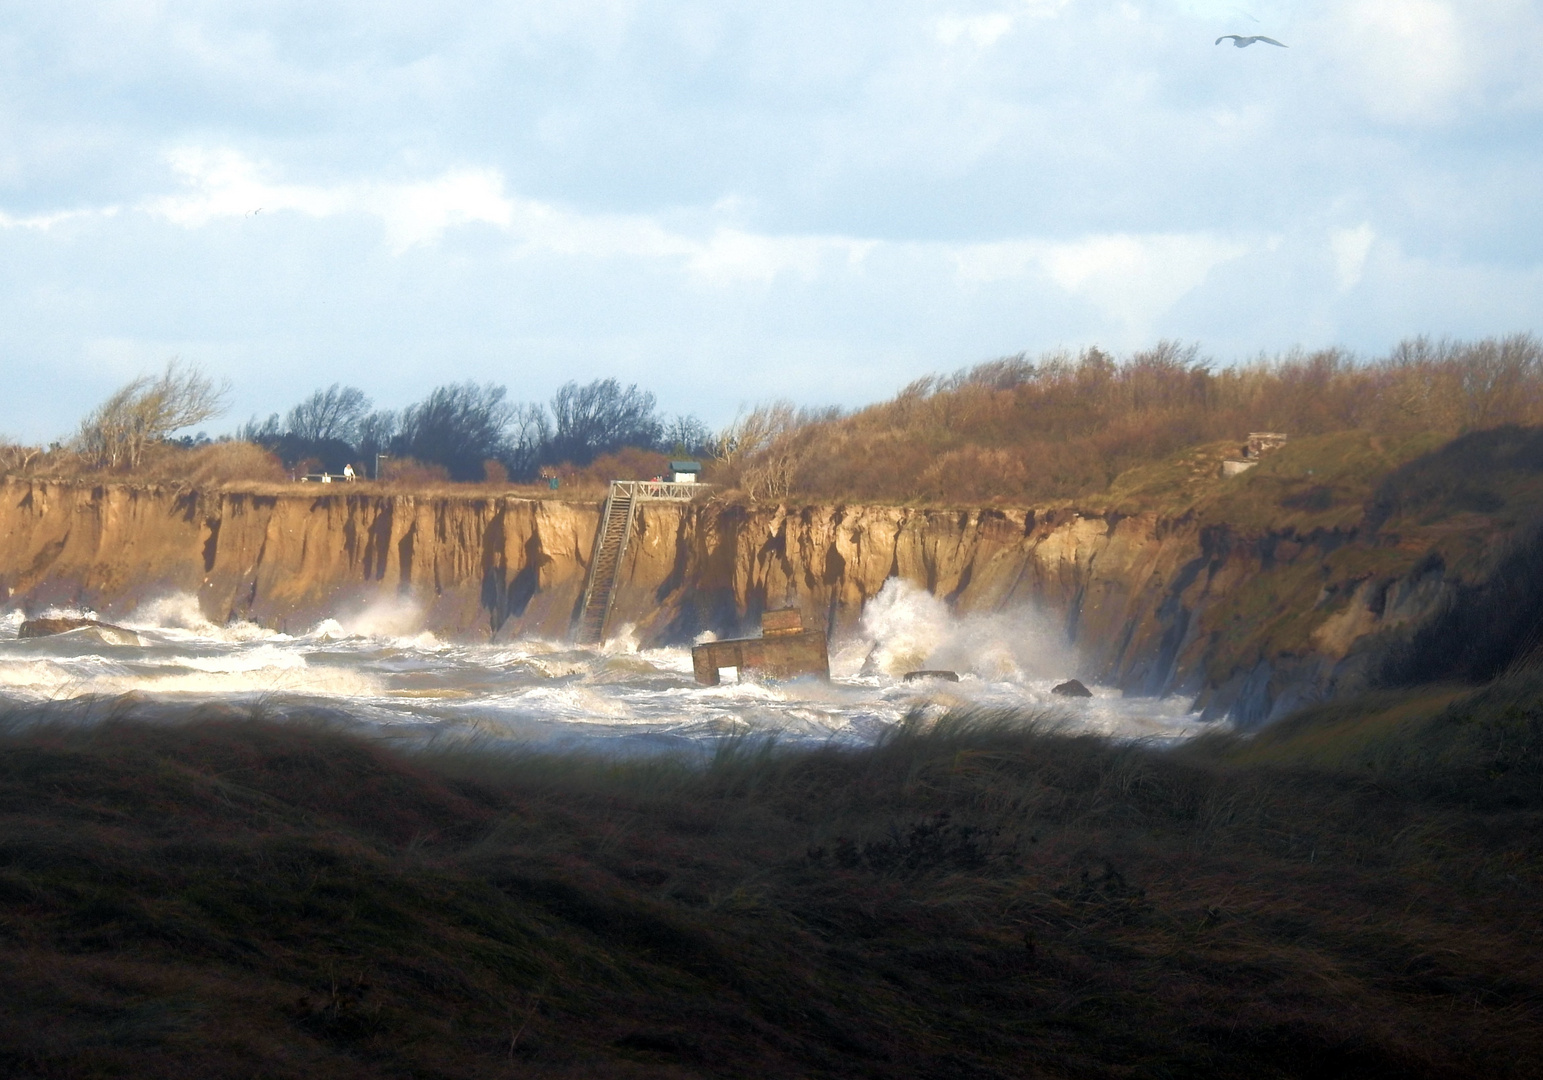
column 377, row 668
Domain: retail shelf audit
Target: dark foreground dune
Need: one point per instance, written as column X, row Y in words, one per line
column 1354, row 894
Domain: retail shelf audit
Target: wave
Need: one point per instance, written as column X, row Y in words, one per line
column 905, row 628
column 50, row 680
column 378, row 663
column 179, row 614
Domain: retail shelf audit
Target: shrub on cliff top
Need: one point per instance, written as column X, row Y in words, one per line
column 214, row 465
column 1065, row 426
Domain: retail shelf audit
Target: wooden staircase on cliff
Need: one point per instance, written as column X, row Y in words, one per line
column 611, row 548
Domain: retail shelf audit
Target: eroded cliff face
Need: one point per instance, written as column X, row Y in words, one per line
column 472, row 566
column 1153, row 605
column 1247, row 624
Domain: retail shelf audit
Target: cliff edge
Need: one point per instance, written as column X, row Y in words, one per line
column 1337, row 563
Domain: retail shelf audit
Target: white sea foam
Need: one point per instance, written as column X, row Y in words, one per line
column 378, row 665
column 906, row 629
column 393, row 618
column 624, row 639
column 53, row 680
column 265, row 657
column 179, row 614
column 54, row 613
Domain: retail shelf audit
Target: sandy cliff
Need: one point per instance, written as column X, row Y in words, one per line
column 469, row 564
column 1247, row 621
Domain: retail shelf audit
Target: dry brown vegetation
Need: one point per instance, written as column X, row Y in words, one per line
column 248, row 467
column 1020, row 430
column 138, row 417
column 629, row 463
column 405, row 472
column 165, row 464
column 1356, row 895
column 1010, row 431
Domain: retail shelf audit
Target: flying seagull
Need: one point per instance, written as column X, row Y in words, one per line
column 1244, row 42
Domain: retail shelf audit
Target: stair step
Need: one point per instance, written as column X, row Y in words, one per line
column 611, row 547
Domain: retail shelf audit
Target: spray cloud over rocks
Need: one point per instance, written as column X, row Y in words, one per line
column 905, row 628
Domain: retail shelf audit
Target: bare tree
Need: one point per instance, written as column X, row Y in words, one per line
column 687, row 435
column 1499, row 378
column 763, row 446
column 375, row 433
column 15, row 458
column 265, row 433
column 599, row 418
column 458, row 426
column 327, row 415
column 529, row 433
column 146, row 411
column 749, row 434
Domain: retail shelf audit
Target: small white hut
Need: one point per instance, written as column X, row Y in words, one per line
column 685, row 472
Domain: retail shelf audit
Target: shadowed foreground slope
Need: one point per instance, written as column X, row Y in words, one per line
column 239, row 898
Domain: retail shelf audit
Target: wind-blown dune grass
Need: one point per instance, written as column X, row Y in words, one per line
column 978, row 897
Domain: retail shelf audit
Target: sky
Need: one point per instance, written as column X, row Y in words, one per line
column 728, row 203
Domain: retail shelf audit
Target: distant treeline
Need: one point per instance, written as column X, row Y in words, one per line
column 470, row 429
column 1065, row 425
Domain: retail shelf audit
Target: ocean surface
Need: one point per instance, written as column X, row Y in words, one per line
column 376, row 668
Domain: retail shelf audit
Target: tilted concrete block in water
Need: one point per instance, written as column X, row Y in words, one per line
column 106, row 633
column 785, row 650
column 944, row 676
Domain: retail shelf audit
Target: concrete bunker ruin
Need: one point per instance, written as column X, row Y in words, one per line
column 1259, row 444
column 785, row 650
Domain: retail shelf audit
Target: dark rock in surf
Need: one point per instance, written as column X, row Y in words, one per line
column 1071, row 688
column 946, row 676
column 106, row 633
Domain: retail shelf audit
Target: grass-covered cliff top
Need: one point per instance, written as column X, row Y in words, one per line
column 1351, row 894
column 1410, row 484
column 1036, row 431
column 1340, row 526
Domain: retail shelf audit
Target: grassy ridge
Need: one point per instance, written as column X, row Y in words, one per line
column 1354, row 894
column 1059, row 427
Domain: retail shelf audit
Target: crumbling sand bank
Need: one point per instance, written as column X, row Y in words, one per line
column 1151, row 603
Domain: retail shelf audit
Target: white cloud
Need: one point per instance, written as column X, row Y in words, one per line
column 1138, row 278
column 45, row 222
column 1134, row 279
column 223, row 184
column 1411, row 59
column 1044, row 9
column 1351, row 247
column 985, row 29
column 982, row 31
column 735, row 255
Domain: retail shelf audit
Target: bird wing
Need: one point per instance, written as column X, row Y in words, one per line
column 1271, row 41
column 1224, row 37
